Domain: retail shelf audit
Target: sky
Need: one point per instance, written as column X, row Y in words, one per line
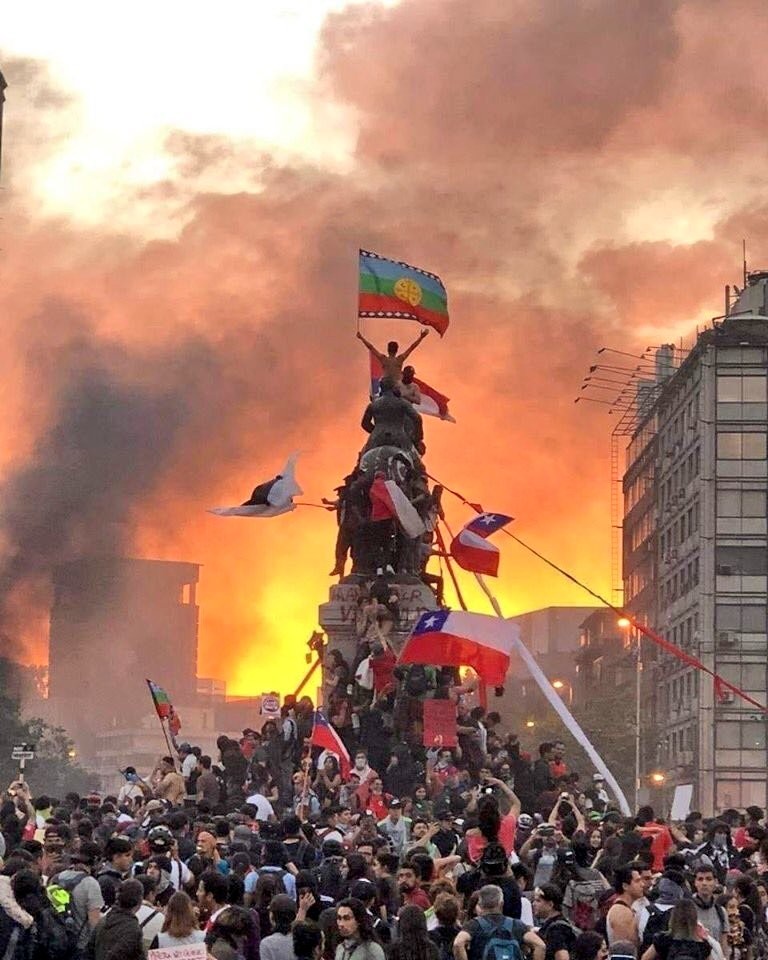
column 184, row 193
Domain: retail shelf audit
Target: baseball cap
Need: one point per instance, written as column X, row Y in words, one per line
column 598, row 776
column 395, row 804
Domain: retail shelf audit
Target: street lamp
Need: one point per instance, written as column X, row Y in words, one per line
column 560, row 686
column 658, row 779
column 530, row 724
column 624, row 623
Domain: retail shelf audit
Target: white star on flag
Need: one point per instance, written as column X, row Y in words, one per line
column 488, row 519
column 430, row 622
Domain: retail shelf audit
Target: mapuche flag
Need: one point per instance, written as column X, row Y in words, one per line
column 471, row 548
column 164, row 707
column 392, row 289
column 432, row 404
column 458, row 639
column 325, row 736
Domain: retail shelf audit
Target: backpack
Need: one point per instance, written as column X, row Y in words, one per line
column 59, row 929
column 605, row 902
column 502, row 944
column 584, row 910
column 658, row 921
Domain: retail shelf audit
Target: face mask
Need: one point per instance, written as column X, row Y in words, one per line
column 360, row 763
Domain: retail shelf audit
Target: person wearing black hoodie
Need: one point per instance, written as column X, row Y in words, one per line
column 118, row 935
column 401, row 773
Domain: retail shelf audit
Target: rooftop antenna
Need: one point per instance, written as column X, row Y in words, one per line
column 744, row 259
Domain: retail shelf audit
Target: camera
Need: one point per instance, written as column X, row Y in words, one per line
column 546, row 830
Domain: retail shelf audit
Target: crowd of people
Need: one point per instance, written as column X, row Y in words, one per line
column 275, row 850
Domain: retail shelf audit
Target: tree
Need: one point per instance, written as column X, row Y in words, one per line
column 55, row 770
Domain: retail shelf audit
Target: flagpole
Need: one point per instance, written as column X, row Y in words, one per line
column 447, row 557
column 162, row 724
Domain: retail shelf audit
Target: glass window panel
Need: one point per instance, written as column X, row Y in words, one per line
column 743, row 561
column 729, row 446
column 754, row 446
column 727, row 794
column 753, row 503
column 728, row 503
column 753, row 735
column 728, row 735
column 753, row 389
column 729, row 389
column 753, row 618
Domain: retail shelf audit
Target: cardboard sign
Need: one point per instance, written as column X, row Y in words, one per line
column 192, row 951
column 439, row 723
column 270, row 705
column 681, row 802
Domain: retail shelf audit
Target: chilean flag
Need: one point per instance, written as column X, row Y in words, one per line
column 388, row 500
column 458, row 639
column 325, row 736
column 471, row 549
column 433, row 403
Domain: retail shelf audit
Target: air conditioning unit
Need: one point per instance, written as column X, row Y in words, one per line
column 726, row 638
column 727, row 696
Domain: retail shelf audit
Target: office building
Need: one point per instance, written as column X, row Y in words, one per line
column 695, row 555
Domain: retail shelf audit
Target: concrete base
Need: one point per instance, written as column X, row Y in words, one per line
column 337, row 617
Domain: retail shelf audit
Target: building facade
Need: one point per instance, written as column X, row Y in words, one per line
column 695, row 557
column 115, row 622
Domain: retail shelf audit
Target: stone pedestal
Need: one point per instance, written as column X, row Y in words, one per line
column 337, row 617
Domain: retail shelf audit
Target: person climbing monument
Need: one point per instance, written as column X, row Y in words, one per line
column 392, row 361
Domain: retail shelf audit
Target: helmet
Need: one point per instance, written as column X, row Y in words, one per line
column 160, row 838
column 525, row 820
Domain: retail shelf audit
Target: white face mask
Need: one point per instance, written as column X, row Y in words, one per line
column 360, row 763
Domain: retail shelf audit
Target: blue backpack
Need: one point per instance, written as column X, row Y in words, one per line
column 502, row 943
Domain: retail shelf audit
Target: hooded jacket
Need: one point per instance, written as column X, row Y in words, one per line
column 13, row 917
column 116, row 937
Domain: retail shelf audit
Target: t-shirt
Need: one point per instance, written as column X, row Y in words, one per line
column 85, row 896
column 264, row 809
column 713, row 917
column 557, row 934
column 151, row 920
column 208, row 788
column 666, row 946
column 277, row 946
column 481, row 929
column 416, row 898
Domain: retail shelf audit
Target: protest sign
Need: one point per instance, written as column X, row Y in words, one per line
column 439, row 723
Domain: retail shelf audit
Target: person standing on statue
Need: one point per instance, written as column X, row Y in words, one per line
column 392, row 421
column 409, row 389
column 392, row 361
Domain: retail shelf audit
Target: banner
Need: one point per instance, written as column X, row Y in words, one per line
column 440, row 723
column 191, row 951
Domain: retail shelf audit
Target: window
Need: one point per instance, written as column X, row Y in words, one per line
column 732, row 735
column 741, row 389
column 741, row 561
column 741, row 446
column 741, row 503
column 744, row 618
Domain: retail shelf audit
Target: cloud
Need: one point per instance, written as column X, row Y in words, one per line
column 517, row 154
